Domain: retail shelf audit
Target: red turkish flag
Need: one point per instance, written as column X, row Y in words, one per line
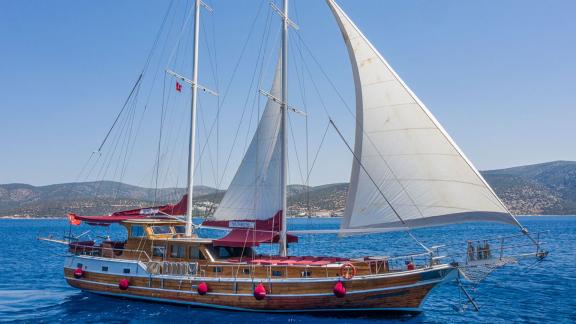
column 178, row 87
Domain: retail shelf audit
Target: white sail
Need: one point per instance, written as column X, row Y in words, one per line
column 406, row 168
column 255, row 191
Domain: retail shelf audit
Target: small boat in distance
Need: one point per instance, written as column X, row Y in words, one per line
column 407, row 173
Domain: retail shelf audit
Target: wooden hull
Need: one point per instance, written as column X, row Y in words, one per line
column 392, row 292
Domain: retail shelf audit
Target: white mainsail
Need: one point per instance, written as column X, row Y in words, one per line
column 407, row 170
column 255, row 190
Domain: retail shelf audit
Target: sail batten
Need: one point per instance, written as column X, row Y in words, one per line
column 407, row 169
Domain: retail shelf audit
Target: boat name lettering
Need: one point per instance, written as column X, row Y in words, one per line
column 241, row 224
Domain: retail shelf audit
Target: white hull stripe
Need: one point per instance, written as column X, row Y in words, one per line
column 280, row 280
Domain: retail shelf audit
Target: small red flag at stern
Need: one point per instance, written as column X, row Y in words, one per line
column 73, row 220
column 178, row 86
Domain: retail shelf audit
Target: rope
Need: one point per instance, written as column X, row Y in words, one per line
column 377, row 187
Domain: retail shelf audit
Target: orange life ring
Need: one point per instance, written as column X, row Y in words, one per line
column 347, row 271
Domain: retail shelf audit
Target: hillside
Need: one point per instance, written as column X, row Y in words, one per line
column 84, row 197
column 547, row 188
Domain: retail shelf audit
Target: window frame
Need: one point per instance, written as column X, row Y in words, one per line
column 160, row 247
column 139, row 234
column 179, row 249
column 162, row 226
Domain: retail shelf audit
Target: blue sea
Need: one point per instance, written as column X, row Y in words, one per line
column 32, row 288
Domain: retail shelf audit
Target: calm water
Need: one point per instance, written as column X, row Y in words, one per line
column 32, row 288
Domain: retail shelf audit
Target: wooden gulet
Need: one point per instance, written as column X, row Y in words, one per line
column 423, row 180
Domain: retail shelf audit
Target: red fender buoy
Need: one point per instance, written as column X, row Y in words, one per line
column 123, row 284
column 339, row 290
column 78, row 273
column 202, row 288
column 259, row 292
column 410, row 266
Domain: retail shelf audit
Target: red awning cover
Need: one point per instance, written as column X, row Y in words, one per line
column 117, row 217
column 241, row 237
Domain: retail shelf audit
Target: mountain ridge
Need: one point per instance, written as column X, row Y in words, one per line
column 537, row 189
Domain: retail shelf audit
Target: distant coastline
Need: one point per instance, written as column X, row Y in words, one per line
column 539, row 189
column 295, row 217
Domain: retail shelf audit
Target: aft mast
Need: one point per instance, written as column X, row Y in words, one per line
column 190, row 205
column 283, row 131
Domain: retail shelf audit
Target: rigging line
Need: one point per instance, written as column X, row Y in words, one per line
column 131, row 140
column 259, row 69
column 302, row 86
column 137, row 83
column 377, row 187
column 318, row 152
column 233, row 75
column 212, row 59
column 125, row 149
column 295, row 148
column 179, row 37
column 160, row 139
column 218, row 100
column 158, row 34
column 120, row 113
column 214, row 175
column 357, row 122
column 524, row 230
column 246, row 41
column 245, row 106
column 110, row 155
column 116, row 164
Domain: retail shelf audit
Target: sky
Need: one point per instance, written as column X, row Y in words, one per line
column 498, row 75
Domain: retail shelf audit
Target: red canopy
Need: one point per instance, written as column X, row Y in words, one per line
column 270, row 224
column 117, row 217
column 241, row 237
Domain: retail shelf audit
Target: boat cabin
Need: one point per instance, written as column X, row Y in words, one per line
column 164, row 240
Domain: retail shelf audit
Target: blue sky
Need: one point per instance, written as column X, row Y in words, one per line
column 499, row 75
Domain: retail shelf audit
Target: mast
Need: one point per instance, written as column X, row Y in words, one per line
column 284, row 134
column 193, row 120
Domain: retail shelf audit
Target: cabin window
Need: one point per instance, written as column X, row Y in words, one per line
column 196, row 254
column 104, row 268
column 180, row 229
column 126, row 270
column 161, row 230
column 158, row 251
column 79, row 265
column 217, row 269
column 137, row 231
column 246, row 271
column 177, row 251
column 305, row 274
column 277, row 273
column 228, row 252
column 224, row 252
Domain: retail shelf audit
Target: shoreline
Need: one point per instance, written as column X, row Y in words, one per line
column 290, row 217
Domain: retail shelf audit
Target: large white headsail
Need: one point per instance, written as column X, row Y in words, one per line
column 254, row 193
column 421, row 175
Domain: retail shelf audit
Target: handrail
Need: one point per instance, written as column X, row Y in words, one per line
column 86, row 250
